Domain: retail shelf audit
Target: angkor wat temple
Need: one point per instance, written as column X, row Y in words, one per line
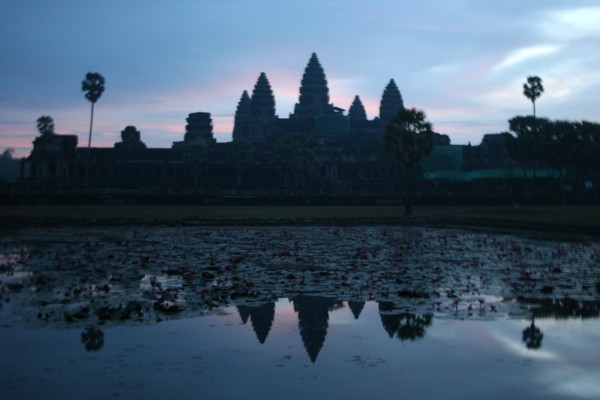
column 319, row 150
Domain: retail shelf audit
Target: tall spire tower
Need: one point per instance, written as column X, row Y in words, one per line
column 314, row 93
column 357, row 111
column 263, row 101
column 391, row 103
column 262, row 110
column 243, row 115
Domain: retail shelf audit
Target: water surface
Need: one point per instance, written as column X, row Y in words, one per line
column 308, row 312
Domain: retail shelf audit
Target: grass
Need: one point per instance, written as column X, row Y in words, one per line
column 583, row 219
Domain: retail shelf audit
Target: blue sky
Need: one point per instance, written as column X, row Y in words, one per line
column 461, row 61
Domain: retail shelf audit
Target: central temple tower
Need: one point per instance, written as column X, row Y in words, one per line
column 314, row 93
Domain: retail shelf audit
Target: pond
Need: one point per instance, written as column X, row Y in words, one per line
column 297, row 312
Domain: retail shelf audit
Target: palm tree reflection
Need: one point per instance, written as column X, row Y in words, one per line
column 532, row 336
column 406, row 326
column 93, row 338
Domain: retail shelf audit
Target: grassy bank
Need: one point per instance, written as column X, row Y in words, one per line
column 576, row 219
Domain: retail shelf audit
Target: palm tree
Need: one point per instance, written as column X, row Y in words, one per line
column 93, row 86
column 409, row 137
column 45, row 125
column 533, row 89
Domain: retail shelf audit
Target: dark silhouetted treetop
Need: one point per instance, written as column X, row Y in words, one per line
column 533, row 89
column 45, row 125
column 243, row 115
column 93, row 86
column 263, row 100
column 409, row 137
column 538, row 141
column 314, row 93
column 357, row 110
column 7, row 154
column 391, row 103
column 528, row 139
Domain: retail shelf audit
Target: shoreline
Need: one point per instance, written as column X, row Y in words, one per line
column 566, row 220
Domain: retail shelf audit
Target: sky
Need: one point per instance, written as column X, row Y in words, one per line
column 463, row 62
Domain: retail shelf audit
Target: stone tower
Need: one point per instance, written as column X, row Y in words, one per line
column 357, row 111
column 130, row 139
column 391, row 103
column 263, row 101
column 262, row 110
column 243, row 116
column 358, row 116
column 199, row 129
column 314, row 93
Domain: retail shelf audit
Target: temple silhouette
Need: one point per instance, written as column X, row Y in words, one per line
column 313, row 320
column 319, row 150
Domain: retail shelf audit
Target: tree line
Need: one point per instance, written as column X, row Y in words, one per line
column 540, row 142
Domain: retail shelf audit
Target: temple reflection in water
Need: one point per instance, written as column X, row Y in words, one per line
column 313, row 320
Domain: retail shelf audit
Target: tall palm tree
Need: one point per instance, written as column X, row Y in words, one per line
column 533, row 89
column 409, row 137
column 93, row 86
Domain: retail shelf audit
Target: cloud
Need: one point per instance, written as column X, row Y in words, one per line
column 570, row 25
column 524, row 54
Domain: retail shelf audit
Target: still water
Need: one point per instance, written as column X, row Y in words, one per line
column 313, row 347
column 296, row 313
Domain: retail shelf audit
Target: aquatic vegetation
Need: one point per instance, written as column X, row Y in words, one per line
column 135, row 274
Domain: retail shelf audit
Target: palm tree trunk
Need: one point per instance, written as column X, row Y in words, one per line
column 87, row 161
column 91, row 124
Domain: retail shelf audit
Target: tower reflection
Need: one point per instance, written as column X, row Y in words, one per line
column 261, row 318
column 313, row 321
column 356, row 307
